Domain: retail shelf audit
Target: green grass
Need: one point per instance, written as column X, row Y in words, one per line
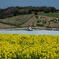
column 16, row 20
column 50, row 14
column 40, row 25
column 21, row 19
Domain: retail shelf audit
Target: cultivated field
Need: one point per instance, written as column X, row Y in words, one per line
column 14, row 46
column 16, row 20
column 50, row 14
column 47, row 20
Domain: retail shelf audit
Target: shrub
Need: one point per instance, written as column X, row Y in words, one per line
column 39, row 24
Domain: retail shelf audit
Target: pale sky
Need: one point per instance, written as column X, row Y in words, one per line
column 8, row 3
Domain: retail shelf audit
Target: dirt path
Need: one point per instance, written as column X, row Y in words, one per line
column 30, row 22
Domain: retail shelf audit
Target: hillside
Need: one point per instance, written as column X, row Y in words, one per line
column 43, row 21
column 46, row 17
column 15, row 11
column 39, row 20
column 16, row 20
column 6, row 26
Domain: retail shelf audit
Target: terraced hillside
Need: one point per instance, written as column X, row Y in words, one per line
column 16, row 20
column 43, row 21
column 39, row 20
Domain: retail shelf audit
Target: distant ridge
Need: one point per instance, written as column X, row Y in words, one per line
column 14, row 11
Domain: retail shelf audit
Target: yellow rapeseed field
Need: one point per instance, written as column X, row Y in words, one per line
column 15, row 46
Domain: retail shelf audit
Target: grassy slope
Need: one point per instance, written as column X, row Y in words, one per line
column 16, row 20
column 50, row 14
column 24, row 19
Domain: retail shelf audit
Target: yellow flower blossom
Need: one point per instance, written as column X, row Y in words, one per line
column 15, row 46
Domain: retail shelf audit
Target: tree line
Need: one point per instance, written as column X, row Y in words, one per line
column 14, row 11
